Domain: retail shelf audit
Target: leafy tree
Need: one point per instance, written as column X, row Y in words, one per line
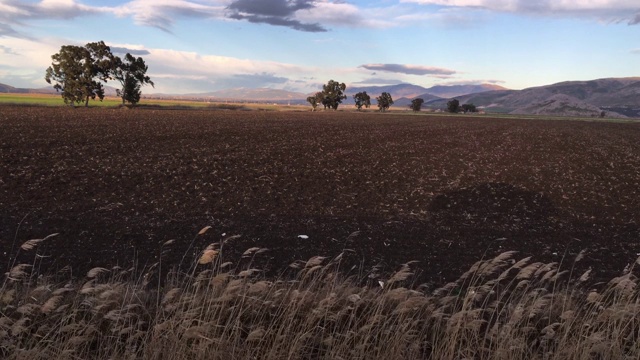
column 333, row 94
column 416, row 104
column 76, row 71
column 131, row 73
column 453, row 106
column 315, row 100
column 468, row 108
column 384, row 101
column 362, row 99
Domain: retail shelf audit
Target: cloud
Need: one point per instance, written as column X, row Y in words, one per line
column 607, row 10
column 213, row 72
column 251, row 80
column 6, row 31
column 342, row 14
column 7, row 50
column 274, row 12
column 124, row 50
column 409, row 69
column 16, row 13
column 12, row 11
column 378, row 81
column 635, row 51
column 162, row 14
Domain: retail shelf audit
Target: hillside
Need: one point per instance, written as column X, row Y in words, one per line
column 405, row 102
column 565, row 105
column 449, row 91
column 4, row 88
column 616, row 96
column 410, row 91
column 607, row 93
column 248, row 94
column 397, row 91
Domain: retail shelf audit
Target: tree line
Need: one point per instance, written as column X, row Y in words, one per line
column 332, row 95
column 80, row 71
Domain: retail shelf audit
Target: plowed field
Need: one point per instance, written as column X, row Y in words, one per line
column 445, row 191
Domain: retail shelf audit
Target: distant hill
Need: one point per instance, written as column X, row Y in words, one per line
column 450, row 91
column 396, row 91
column 404, row 101
column 615, row 96
column 607, row 94
column 241, row 94
column 565, row 105
column 4, row 88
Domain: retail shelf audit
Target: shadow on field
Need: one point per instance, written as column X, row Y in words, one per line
column 463, row 226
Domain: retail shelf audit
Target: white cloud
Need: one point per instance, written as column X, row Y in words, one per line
column 26, row 60
column 342, row 14
column 609, row 10
column 181, row 71
column 163, row 13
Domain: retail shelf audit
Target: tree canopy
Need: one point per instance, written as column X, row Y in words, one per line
column 362, row 99
column 416, row 104
column 79, row 71
column 131, row 73
column 468, row 108
column 315, row 100
column 453, row 106
column 333, row 94
column 384, row 101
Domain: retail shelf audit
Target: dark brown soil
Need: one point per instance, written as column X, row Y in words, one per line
column 446, row 191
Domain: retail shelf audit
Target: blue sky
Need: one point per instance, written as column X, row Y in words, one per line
column 206, row 45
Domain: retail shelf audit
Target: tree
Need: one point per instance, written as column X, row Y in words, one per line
column 362, row 99
column 468, row 108
column 76, row 71
column 315, row 100
column 416, row 104
column 131, row 73
column 333, row 94
column 384, row 101
column 453, row 106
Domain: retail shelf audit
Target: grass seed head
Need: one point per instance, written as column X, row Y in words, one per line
column 204, row 230
column 208, row 256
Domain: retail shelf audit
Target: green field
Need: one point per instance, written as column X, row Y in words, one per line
column 56, row 100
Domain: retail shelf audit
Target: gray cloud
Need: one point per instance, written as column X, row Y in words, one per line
column 279, row 8
column 635, row 51
column 124, row 50
column 635, row 20
column 6, row 30
column 7, row 50
column 409, row 69
column 274, row 12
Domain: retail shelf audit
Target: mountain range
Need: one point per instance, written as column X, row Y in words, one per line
column 617, row 97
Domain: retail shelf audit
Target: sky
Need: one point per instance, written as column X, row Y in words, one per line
column 194, row 46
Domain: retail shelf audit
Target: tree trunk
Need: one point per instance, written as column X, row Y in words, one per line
column 86, row 103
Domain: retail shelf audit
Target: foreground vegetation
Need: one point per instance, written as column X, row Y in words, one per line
column 502, row 308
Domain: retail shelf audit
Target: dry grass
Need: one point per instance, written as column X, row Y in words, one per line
column 502, row 308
